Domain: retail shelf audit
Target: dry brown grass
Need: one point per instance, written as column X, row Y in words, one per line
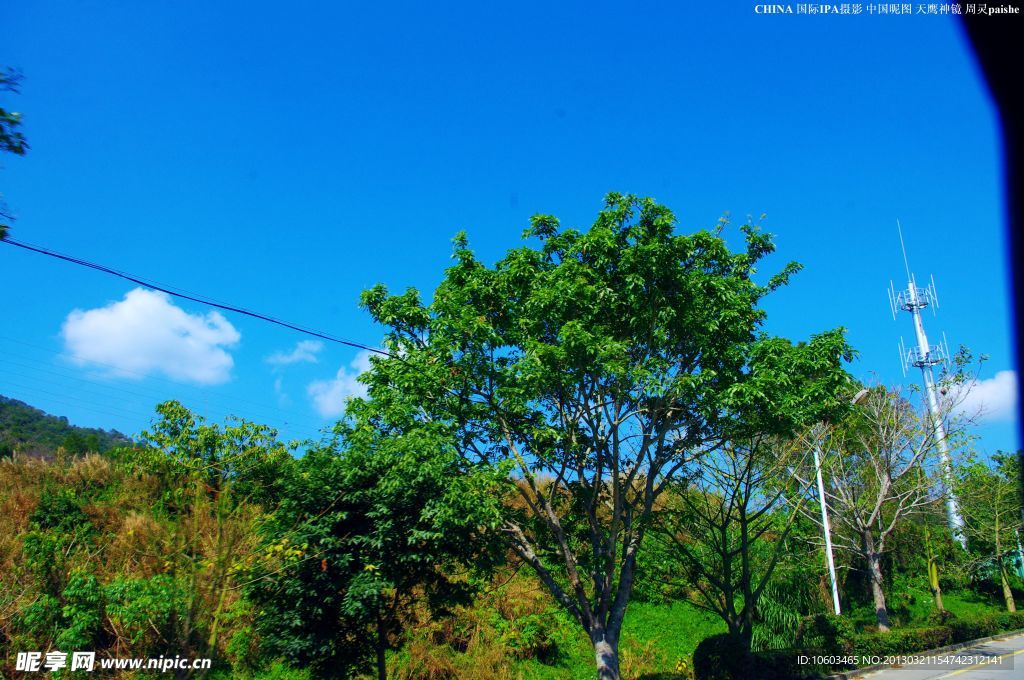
column 90, row 471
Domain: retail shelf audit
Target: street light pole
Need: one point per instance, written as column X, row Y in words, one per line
column 828, row 531
column 858, row 398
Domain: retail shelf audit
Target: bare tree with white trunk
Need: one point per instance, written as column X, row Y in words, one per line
column 881, row 466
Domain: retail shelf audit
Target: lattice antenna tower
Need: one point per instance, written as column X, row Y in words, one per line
column 925, row 357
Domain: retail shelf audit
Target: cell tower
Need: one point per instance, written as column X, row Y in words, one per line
column 925, row 357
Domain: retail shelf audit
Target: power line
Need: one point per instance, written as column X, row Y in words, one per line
column 187, row 296
column 201, row 299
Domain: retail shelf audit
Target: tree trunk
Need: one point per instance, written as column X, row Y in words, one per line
column 881, row 612
column 382, row 647
column 606, row 653
column 741, row 628
column 1011, row 606
column 933, row 583
column 875, row 567
column 933, row 571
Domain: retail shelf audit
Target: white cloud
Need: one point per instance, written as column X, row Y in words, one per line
column 329, row 396
column 305, row 351
column 994, row 399
column 283, row 399
column 145, row 334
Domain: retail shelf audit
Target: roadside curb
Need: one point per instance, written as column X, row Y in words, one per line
column 858, row 672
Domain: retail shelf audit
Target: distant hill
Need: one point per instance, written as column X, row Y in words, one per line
column 33, row 432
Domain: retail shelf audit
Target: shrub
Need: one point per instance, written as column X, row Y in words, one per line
column 82, row 613
column 956, row 630
column 59, row 510
column 903, row 641
column 144, row 612
column 721, row 657
column 983, row 626
column 40, row 620
column 941, row 617
column 532, row 636
column 833, row 635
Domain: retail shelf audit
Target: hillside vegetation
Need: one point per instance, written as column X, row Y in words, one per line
column 31, row 432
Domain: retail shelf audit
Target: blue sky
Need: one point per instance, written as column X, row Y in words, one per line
column 285, row 157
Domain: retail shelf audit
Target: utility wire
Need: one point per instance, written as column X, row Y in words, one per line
column 200, row 299
column 194, row 298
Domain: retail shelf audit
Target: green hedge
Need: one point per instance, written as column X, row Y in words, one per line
column 956, row 630
column 717, row 657
column 903, row 641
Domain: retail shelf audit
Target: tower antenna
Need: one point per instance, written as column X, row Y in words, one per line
column 925, row 357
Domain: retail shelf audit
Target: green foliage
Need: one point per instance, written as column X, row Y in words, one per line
column 532, row 636
column 244, row 455
column 60, row 510
column 12, row 140
column 368, row 525
column 145, row 611
column 82, row 613
column 59, row 528
column 990, row 501
column 40, row 620
column 70, row 620
column 904, row 641
column 831, row 634
column 780, row 612
column 590, row 362
column 91, row 558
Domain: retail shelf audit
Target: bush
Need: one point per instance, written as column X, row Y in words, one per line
column 721, row 657
column 784, row 665
column 903, row 641
column 984, row 626
column 532, row 636
column 831, row 634
column 144, row 612
column 941, row 617
column 957, row 630
column 82, row 613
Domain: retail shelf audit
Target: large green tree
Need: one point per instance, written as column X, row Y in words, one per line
column 597, row 364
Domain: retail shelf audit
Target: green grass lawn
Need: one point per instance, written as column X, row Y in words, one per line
column 918, row 605
column 654, row 639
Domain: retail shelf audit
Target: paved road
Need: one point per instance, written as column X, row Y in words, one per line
column 996, row 660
